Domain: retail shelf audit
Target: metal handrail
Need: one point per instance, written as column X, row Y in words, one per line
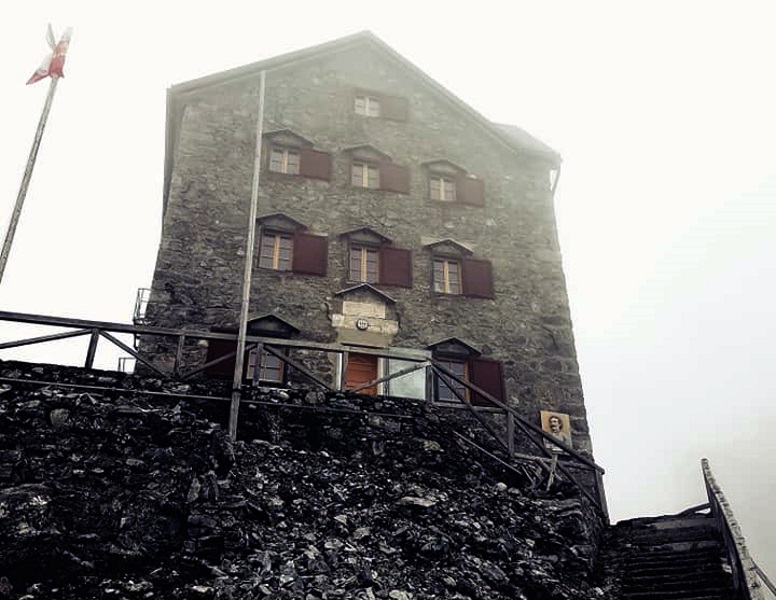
column 745, row 576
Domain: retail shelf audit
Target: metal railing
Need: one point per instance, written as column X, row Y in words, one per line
column 478, row 402
column 746, row 574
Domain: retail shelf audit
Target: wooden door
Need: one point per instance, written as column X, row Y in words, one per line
column 361, row 369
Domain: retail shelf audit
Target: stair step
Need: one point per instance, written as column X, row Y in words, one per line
column 667, row 585
column 669, row 572
column 713, row 594
column 714, row 573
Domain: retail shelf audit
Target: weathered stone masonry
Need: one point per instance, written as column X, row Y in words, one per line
column 211, row 140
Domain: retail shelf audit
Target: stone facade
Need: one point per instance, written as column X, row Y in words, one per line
column 309, row 107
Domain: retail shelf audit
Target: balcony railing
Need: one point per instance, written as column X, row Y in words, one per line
column 517, row 426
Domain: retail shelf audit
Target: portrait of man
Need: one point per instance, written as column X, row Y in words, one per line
column 559, row 426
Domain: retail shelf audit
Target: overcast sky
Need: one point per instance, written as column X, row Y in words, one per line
column 664, row 113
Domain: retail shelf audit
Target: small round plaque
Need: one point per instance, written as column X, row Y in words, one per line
column 362, row 324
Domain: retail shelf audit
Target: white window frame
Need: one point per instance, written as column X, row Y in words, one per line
column 280, row 160
column 278, row 264
column 365, row 173
column 439, row 186
column 447, row 280
column 367, row 106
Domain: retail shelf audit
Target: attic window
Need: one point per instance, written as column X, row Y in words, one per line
column 365, row 175
column 441, row 187
column 275, row 251
column 375, row 105
column 447, row 182
column 369, row 106
column 284, row 160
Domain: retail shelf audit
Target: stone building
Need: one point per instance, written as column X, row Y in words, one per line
column 391, row 215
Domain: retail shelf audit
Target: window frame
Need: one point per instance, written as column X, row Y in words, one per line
column 263, row 368
column 450, row 364
column 446, row 280
column 367, row 168
column 367, row 105
column 275, row 256
column 364, row 251
column 443, row 179
column 285, row 152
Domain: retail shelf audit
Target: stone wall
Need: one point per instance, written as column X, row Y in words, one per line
column 196, row 284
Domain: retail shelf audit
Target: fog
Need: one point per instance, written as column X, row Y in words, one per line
column 663, row 113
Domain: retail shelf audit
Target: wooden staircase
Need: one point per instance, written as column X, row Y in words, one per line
column 679, row 557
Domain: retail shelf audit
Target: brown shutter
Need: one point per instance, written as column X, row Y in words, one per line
column 217, row 349
column 310, row 254
column 470, row 191
column 314, row 163
column 394, row 178
column 477, row 277
column 395, row 266
column 489, row 377
column 393, row 107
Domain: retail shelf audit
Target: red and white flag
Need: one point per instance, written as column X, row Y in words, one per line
column 54, row 63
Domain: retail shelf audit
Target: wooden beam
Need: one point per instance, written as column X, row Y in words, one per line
column 298, row 367
column 134, row 353
column 409, row 354
column 467, row 402
column 518, row 417
column 44, row 338
column 92, row 349
column 385, row 378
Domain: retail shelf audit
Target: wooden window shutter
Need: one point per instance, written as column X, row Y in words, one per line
column 477, row 275
column 489, row 377
column 395, row 266
column 310, row 254
column 394, row 178
column 315, row 164
column 394, row 107
column 470, row 191
column 217, row 349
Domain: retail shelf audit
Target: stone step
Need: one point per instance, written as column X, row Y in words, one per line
column 670, row 585
column 711, row 594
column 670, row 572
column 670, row 559
column 675, row 574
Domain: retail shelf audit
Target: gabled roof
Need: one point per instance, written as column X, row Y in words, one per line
column 511, row 137
column 282, row 220
column 455, row 341
column 450, row 243
column 367, row 148
column 271, row 318
column 366, row 287
column 369, row 232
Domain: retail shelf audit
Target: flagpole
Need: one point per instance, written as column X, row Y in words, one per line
column 248, row 270
column 17, row 209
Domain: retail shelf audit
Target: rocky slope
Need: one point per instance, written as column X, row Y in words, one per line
column 131, row 494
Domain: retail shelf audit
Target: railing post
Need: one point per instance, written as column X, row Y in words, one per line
column 179, row 355
column 92, row 350
column 511, row 434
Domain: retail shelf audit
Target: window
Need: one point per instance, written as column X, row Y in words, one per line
column 365, row 175
column 269, row 370
column 369, row 103
column 466, row 362
column 447, row 276
column 363, row 264
column 442, row 188
column 283, row 160
column 276, row 251
column 445, row 391
column 369, row 106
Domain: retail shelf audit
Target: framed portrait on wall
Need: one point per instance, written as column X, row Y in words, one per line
column 557, row 425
